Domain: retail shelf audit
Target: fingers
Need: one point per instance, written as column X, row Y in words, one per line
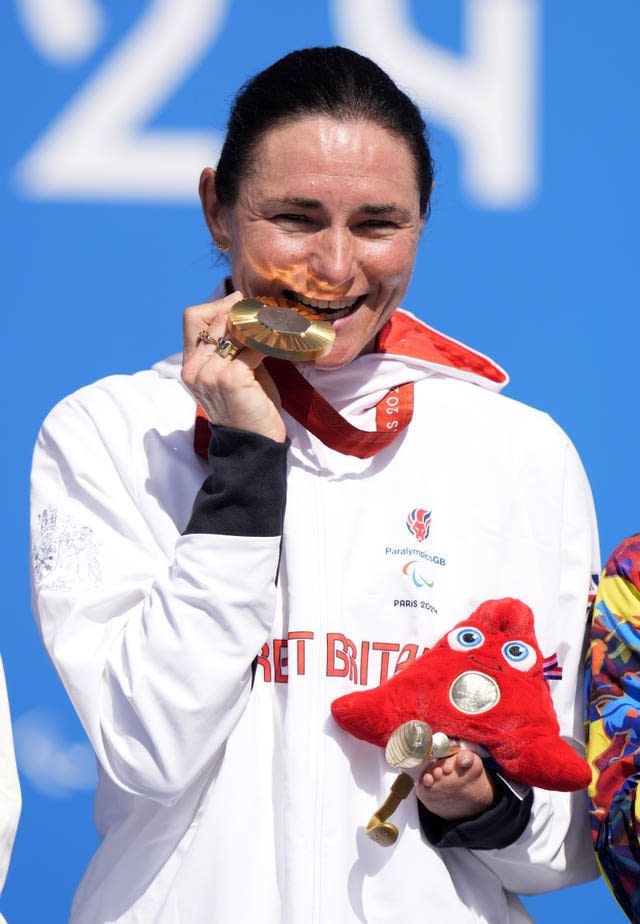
column 457, row 786
column 210, row 316
column 464, row 760
column 234, row 390
column 459, row 764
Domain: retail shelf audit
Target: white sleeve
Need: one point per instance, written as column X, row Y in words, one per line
column 10, row 799
column 555, row 849
column 154, row 642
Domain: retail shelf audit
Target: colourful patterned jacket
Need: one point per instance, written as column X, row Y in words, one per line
column 613, row 694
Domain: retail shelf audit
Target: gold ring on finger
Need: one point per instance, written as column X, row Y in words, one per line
column 226, row 348
column 205, row 337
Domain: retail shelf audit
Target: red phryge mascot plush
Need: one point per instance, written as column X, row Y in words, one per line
column 483, row 682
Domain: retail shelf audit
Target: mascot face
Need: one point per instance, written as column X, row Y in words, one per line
column 483, row 682
column 478, row 689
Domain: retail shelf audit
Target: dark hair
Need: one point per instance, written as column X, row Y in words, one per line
column 333, row 81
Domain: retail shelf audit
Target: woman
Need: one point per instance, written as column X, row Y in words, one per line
column 202, row 642
column 614, row 733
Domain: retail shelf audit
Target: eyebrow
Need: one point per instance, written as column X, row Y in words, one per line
column 387, row 208
column 298, row 200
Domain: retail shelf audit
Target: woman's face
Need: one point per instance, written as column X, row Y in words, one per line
column 330, row 216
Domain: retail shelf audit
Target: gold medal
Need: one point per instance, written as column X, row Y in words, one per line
column 286, row 331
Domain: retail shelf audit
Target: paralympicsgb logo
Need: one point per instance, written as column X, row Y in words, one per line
column 419, row 523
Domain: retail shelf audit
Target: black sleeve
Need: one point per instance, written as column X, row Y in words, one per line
column 499, row 826
column 245, row 493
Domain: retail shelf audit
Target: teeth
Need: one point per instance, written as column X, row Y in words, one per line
column 332, row 309
column 323, row 305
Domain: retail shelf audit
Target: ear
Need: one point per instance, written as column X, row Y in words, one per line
column 214, row 213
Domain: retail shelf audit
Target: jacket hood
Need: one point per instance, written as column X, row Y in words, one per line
column 407, row 350
column 407, row 336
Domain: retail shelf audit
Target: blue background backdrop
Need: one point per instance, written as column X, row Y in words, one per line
column 529, row 257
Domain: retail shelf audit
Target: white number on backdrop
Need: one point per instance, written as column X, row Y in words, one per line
column 487, row 98
column 64, row 31
column 97, row 148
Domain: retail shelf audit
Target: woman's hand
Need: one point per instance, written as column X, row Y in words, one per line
column 456, row 787
column 238, row 392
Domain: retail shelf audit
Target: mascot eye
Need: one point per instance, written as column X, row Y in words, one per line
column 465, row 638
column 519, row 655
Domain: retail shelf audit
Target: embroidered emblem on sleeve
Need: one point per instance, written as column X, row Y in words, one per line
column 64, row 553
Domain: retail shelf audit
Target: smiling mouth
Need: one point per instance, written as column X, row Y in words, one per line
column 488, row 665
column 329, row 309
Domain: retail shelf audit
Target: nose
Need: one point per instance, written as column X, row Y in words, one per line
column 332, row 258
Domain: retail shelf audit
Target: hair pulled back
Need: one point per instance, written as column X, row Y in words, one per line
column 330, row 81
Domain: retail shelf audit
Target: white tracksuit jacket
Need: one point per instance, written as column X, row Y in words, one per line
column 10, row 796
column 219, row 801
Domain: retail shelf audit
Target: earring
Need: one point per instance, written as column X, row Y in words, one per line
column 223, row 245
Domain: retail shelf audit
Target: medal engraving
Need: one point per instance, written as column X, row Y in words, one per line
column 474, row 692
column 282, row 320
column 286, row 331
